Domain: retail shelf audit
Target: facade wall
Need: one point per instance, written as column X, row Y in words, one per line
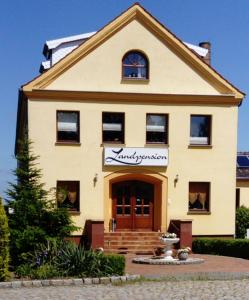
column 215, row 165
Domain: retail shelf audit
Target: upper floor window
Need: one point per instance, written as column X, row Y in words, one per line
column 200, row 130
column 113, row 127
column 135, row 65
column 68, row 126
column 157, row 128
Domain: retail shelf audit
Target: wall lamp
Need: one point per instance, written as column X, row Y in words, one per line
column 95, row 179
column 176, row 179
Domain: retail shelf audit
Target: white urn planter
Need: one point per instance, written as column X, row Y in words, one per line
column 169, row 242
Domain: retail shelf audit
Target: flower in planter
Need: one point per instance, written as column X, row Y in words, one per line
column 184, row 250
column 183, row 253
column 168, row 235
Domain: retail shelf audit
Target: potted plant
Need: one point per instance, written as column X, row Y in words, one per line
column 169, row 239
column 168, row 235
column 183, row 253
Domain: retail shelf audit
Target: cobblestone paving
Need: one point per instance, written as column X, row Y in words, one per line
column 185, row 290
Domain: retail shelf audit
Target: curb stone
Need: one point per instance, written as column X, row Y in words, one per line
column 27, row 283
column 57, row 282
column 87, row 280
column 105, row 280
column 200, row 276
column 16, row 284
column 5, row 285
column 68, row 282
column 36, row 283
column 115, row 279
column 95, row 281
column 77, row 281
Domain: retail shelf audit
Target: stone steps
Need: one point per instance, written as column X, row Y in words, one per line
column 132, row 242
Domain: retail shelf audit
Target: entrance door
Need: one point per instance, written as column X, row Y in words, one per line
column 133, row 205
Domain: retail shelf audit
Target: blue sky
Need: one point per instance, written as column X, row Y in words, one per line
column 26, row 25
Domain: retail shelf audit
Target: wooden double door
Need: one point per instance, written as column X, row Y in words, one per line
column 133, row 205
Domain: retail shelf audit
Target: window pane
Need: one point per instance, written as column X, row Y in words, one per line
column 135, row 65
column 127, row 201
column 146, row 201
column 200, row 130
column 199, row 196
column 138, row 210
column 68, row 194
column 135, row 72
column 119, row 210
column 146, row 210
column 119, row 200
column 138, row 201
column 67, row 126
column 156, row 128
column 127, row 210
column 113, row 127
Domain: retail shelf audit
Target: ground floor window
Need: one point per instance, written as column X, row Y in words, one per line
column 68, row 195
column 199, row 196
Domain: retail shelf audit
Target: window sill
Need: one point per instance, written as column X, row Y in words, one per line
column 200, row 146
column 198, row 212
column 110, row 144
column 74, row 212
column 157, row 145
column 135, row 80
column 67, row 144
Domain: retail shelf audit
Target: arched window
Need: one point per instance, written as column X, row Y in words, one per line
column 135, row 65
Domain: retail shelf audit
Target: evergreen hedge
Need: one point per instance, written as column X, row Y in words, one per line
column 4, row 244
column 225, row 247
column 242, row 221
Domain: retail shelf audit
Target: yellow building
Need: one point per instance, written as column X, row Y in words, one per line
column 138, row 128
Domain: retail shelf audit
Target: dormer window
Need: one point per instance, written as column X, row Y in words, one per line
column 135, row 66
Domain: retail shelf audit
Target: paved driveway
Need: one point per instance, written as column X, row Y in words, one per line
column 192, row 290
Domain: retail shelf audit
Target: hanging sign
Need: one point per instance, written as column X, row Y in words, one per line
column 135, row 156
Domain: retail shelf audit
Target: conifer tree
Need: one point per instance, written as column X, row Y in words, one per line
column 4, row 244
column 35, row 217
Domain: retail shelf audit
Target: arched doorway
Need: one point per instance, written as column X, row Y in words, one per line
column 159, row 184
column 133, row 205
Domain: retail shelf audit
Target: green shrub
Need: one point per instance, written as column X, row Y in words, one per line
column 242, row 221
column 75, row 261
column 24, row 270
column 63, row 259
column 114, row 264
column 225, row 247
column 4, row 244
column 45, row 271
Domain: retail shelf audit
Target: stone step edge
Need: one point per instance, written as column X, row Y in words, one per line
column 68, row 282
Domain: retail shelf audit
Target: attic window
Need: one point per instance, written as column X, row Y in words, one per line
column 135, row 66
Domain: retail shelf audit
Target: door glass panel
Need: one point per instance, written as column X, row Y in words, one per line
column 127, row 201
column 127, row 210
column 138, row 210
column 146, row 210
column 119, row 200
column 146, row 201
column 138, row 201
column 119, row 210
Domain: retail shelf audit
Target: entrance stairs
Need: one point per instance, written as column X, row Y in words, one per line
column 138, row 242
